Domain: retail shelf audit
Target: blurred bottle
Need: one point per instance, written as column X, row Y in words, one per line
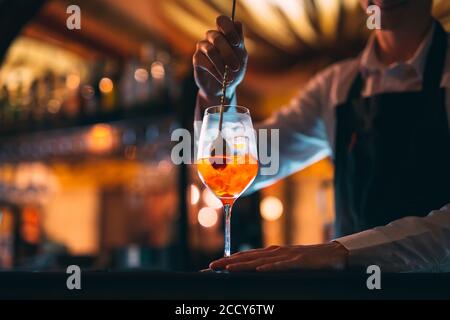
column 28, row 238
column 31, row 100
column 170, row 87
column 39, row 109
column 142, row 74
column 72, row 102
column 127, row 89
column 88, row 103
column 160, row 76
column 7, row 225
column 52, row 101
column 97, row 75
column 4, row 105
column 21, row 110
column 44, row 91
column 59, row 96
column 12, row 108
column 49, row 85
column 108, row 88
column 90, row 93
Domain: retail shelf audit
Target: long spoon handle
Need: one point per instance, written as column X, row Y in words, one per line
column 225, row 75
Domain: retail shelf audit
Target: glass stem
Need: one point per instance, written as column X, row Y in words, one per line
column 227, row 215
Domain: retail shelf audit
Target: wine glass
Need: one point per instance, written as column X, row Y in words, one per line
column 231, row 171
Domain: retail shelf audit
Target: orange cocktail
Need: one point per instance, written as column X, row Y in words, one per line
column 228, row 176
column 227, row 157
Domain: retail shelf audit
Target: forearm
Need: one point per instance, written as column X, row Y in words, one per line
column 411, row 244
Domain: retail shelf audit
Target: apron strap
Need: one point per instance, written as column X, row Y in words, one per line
column 435, row 60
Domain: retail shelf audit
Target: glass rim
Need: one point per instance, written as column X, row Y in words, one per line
column 236, row 109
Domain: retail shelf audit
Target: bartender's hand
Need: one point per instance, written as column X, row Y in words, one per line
column 224, row 46
column 287, row 258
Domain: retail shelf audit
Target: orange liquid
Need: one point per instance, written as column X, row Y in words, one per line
column 227, row 176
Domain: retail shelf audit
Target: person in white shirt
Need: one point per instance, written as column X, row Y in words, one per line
column 384, row 119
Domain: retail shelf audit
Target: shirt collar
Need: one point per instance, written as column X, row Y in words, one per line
column 370, row 64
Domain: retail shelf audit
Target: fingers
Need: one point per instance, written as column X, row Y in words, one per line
column 286, row 258
column 202, row 62
column 286, row 265
column 254, row 264
column 231, row 33
column 224, row 46
column 229, row 29
column 255, row 250
column 213, row 55
column 224, row 262
column 245, row 256
column 218, row 40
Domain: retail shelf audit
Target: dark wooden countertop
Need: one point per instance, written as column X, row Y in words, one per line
column 179, row 285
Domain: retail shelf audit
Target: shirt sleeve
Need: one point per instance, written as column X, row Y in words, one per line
column 297, row 135
column 410, row 244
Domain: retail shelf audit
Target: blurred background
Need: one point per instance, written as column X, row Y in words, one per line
column 86, row 117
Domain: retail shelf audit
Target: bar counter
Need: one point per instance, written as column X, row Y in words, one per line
column 196, row 285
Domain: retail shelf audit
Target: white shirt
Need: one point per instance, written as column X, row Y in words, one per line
column 307, row 135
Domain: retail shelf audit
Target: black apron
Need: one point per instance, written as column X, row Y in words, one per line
column 392, row 151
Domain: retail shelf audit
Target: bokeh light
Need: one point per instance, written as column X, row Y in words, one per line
column 195, row 194
column 271, row 208
column 210, row 199
column 141, row 75
column 100, row 138
column 73, row 81
column 207, row 217
column 106, row 85
column 157, row 70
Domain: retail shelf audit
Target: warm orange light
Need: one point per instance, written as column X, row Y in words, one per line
column 207, row 217
column 130, row 152
column 195, row 194
column 72, row 81
column 157, row 70
column 100, row 138
column 210, row 199
column 30, row 225
column 53, row 106
column 141, row 75
column 6, row 222
column 271, row 208
column 106, row 85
